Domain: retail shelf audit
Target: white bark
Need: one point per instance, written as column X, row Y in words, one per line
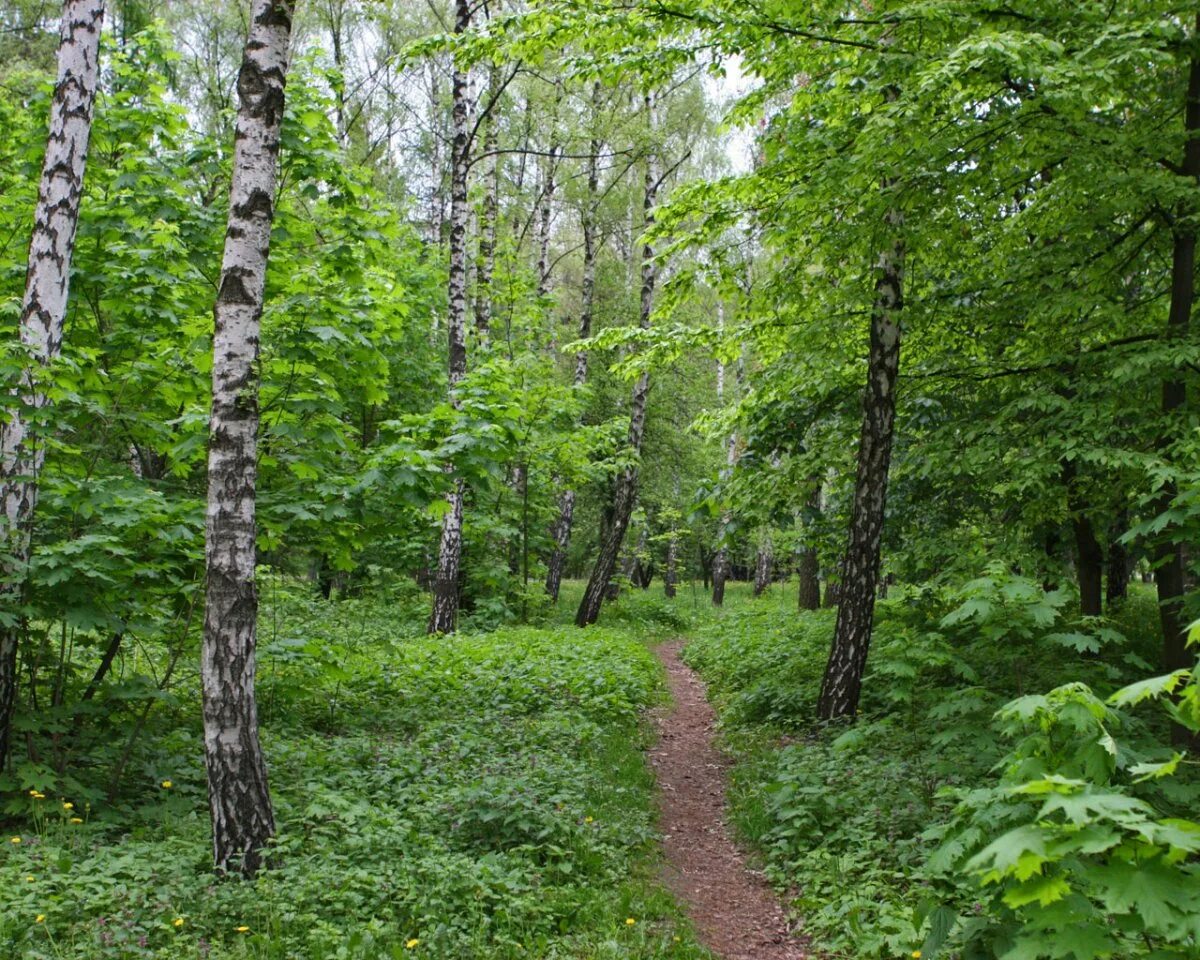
column 443, row 617
column 239, row 799
column 43, row 310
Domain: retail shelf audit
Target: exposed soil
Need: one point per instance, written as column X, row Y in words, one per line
column 734, row 910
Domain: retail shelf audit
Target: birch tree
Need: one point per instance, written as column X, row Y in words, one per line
column 43, row 311
column 625, row 494
column 561, row 531
column 842, row 682
column 443, row 618
column 239, row 798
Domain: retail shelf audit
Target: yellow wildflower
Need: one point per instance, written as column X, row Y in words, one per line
column 587, row 819
column 29, row 879
column 410, row 944
column 40, row 918
column 629, row 921
column 68, row 806
column 167, row 784
column 15, row 840
column 242, row 929
column 77, row 820
column 916, row 955
column 178, row 922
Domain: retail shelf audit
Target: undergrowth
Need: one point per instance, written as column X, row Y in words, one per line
column 996, row 792
column 483, row 796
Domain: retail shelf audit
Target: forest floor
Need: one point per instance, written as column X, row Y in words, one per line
column 733, row 909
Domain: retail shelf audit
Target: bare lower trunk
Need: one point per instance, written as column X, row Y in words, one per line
column 1118, row 567
column 627, row 480
column 808, row 567
column 1089, row 554
column 566, row 503
column 43, row 311
column 764, row 563
column 720, row 574
column 671, row 576
column 239, row 799
column 842, row 682
column 443, row 617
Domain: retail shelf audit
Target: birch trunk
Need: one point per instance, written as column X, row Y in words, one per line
column 671, row 576
column 764, row 563
column 561, row 530
column 489, row 214
column 444, row 616
column 43, row 312
column 239, row 799
column 627, row 481
column 720, row 565
column 842, row 683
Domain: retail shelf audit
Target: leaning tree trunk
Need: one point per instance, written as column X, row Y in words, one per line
column 627, row 480
column 444, row 616
column 239, row 799
column 1169, row 568
column 809, row 568
column 561, row 531
column 43, row 311
column 842, row 682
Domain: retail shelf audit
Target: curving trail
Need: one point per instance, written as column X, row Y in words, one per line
column 735, row 912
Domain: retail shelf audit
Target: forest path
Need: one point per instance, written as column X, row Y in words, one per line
column 735, row 912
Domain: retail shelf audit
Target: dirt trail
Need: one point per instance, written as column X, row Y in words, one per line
column 735, row 912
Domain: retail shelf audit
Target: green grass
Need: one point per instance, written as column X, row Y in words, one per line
column 484, row 795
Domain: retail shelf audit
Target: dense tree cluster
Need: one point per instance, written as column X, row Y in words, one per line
column 461, row 300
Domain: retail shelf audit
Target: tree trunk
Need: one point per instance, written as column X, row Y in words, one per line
column 1119, row 566
column 808, row 568
column 1089, row 553
column 489, row 215
column 842, row 683
column 627, row 480
column 566, row 503
column 239, row 799
column 43, row 311
column 671, row 576
column 1169, row 569
column 764, row 564
column 443, row 617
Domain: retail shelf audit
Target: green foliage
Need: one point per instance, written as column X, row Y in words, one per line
column 487, row 797
column 895, row 835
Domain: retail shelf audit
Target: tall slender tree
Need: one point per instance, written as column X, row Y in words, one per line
column 43, row 312
column 489, row 209
column 561, row 531
column 443, row 618
column 239, row 798
column 625, row 494
column 842, row 682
